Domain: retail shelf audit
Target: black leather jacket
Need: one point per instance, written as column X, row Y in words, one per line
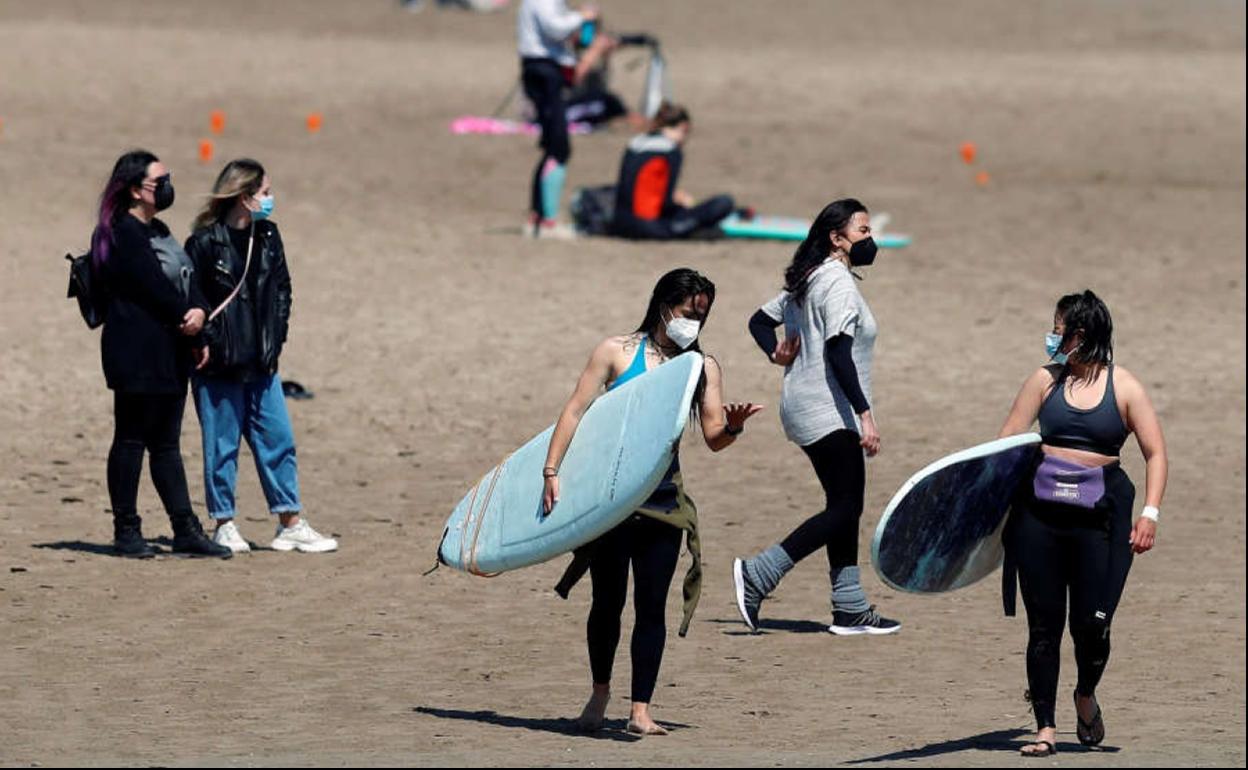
column 216, row 264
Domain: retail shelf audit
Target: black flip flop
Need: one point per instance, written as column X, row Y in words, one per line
column 1089, row 733
column 1049, row 750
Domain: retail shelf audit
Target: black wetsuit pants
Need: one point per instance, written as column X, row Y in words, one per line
column 653, row 548
column 151, row 422
column 842, row 471
column 544, row 82
column 1086, row 553
column 679, row 222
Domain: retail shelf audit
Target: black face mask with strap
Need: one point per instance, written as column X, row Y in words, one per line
column 862, row 253
column 163, row 194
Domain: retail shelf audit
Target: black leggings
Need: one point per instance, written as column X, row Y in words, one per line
column 152, row 422
column 653, row 547
column 842, row 471
column 543, row 84
column 1060, row 549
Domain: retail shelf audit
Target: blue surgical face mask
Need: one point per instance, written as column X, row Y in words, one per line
column 266, row 208
column 1053, row 346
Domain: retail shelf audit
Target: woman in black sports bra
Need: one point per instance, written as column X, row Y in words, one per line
column 1071, row 527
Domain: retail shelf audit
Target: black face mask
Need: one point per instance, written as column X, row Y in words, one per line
column 163, row 194
column 862, row 253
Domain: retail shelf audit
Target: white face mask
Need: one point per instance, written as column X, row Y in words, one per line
column 683, row 331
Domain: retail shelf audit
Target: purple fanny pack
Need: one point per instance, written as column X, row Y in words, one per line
column 1062, row 481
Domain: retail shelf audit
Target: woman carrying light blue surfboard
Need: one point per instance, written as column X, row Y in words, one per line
column 650, row 538
column 829, row 339
column 1070, row 530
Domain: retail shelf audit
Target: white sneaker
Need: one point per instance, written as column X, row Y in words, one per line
column 227, row 534
column 302, row 537
column 551, row 230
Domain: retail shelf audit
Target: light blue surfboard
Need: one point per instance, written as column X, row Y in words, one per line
column 621, row 450
column 791, row 229
column 942, row 530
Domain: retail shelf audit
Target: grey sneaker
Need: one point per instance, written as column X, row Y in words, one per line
column 749, row 598
column 869, row 622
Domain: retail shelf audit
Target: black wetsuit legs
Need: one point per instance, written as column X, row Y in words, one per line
column 653, row 549
column 1061, row 550
column 710, row 212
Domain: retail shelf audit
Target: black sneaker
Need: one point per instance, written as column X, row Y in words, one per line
column 855, row 623
column 749, row 598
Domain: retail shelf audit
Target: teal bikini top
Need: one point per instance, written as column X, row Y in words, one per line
column 635, row 369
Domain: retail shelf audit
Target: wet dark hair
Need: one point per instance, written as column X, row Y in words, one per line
column 1087, row 315
column 668, row 115
column 818, row 244
column 129, row 171
column 673, row 289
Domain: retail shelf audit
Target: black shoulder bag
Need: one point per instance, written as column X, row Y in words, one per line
column 83, row 286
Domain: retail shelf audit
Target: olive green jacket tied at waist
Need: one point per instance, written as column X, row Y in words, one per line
column 673, row 508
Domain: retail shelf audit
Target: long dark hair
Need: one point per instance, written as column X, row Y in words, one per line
column 129, row 171
column 672, row 289
column 1088, row 316
column 818, row 244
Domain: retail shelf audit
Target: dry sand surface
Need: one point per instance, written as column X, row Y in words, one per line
column 1114, row 134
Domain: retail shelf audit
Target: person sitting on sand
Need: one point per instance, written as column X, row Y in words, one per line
column 648, row 202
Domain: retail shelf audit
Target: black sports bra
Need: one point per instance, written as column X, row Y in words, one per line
column 1099, row 429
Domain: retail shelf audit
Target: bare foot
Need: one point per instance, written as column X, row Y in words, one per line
column 595, row 711
column 642, row 724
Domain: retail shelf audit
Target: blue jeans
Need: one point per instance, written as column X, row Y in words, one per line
column 229, row 411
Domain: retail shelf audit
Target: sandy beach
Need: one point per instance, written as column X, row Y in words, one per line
column 436, row 340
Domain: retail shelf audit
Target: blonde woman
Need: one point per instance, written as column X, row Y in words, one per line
column 241, row 268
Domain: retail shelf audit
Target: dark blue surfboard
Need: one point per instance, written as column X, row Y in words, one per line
column 942, row 530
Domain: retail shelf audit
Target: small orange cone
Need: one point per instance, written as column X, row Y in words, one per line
column 967, row 151
column 982, row 179
column 314, row 122
column 205, row 150
column 216, row 122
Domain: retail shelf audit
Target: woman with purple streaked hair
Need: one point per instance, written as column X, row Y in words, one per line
column 154, row 315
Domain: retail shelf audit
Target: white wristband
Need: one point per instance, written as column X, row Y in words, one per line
column 1150, row 512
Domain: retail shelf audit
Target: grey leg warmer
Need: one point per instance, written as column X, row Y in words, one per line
column 847, row 593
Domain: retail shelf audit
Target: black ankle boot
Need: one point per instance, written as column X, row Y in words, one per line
column 128, row 537
column 189, row 538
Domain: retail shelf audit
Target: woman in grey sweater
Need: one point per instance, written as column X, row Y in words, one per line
column 826, row 354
